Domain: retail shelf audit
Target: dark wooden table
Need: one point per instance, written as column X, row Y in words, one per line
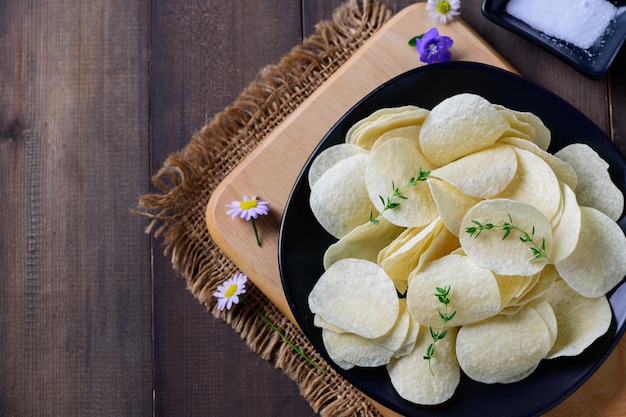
column 93, row 97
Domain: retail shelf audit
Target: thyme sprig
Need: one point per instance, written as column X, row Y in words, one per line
column 390, row 202
column 442, row 296
column 538, row 249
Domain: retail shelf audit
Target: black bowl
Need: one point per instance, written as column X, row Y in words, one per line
column 593, row 62
column 303, row 241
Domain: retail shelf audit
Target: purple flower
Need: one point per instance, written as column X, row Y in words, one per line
column 432, row 47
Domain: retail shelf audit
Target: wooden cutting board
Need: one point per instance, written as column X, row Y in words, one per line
column 271, row 170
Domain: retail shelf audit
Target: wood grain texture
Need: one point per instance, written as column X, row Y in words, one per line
column 75, row 267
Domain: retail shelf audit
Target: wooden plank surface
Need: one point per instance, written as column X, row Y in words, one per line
column 93, row 97
column 74, row 262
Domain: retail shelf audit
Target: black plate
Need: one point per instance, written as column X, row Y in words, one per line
column 303, row 241
column 593, row 63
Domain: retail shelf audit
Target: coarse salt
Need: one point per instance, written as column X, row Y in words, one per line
column 579, row 22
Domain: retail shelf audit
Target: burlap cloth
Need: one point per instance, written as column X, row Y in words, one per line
column 188, row 178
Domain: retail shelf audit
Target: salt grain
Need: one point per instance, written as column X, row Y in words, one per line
column 579, row 22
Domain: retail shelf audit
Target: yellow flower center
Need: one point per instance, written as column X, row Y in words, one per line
column 247, row 204
column 231, row 291
column 443, row 7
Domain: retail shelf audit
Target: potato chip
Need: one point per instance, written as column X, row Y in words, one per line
column 376, row 116
column 329, row 157
column 408, row 344
column 411, row 133
column 357, row 296
column 503, row 346
column 581, row 320
column 541, row 134
column 517, row 127
column 363, row 242
column 546, row 312
column 339, row 199
column 595, row 187
column 474, row 292
column 510, row 256
column 412, row 378
column 367, row 134
column 451, row 203
column 458, row 126
column 563, row 170
column 322, row 323
column 395, row 337
column 481, row 174
column 399, row 263
column 443, row 243
column 395, row 244
column 534, row 183
column 597, row 264
column 390, row 166
column 542, row 283
column 520, row 376
column 509, row 286
column 567, row 229
column 348, row 350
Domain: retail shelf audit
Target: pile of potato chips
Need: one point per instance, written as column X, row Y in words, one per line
column 486, row 164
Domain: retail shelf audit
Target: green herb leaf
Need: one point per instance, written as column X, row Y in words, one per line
column 538, row 250
column 390, row 202
column 442, row 296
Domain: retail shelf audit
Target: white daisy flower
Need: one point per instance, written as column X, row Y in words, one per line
column 443, row 11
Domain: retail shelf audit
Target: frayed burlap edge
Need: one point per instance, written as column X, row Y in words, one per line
column 188, row 178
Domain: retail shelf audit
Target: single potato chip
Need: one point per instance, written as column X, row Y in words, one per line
column 391, row 166
column 329, row 157
column 348, row 350
column 451, row 203
column 504, row 346
column 534, row 183
column 481, row 174
column 595, row 187
column 411, row 375
column 357, row 296
column 458, row 126
column 581, row 320
column 597, row 264
column 339, row 199
column 510, row 256
column 474, row 292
